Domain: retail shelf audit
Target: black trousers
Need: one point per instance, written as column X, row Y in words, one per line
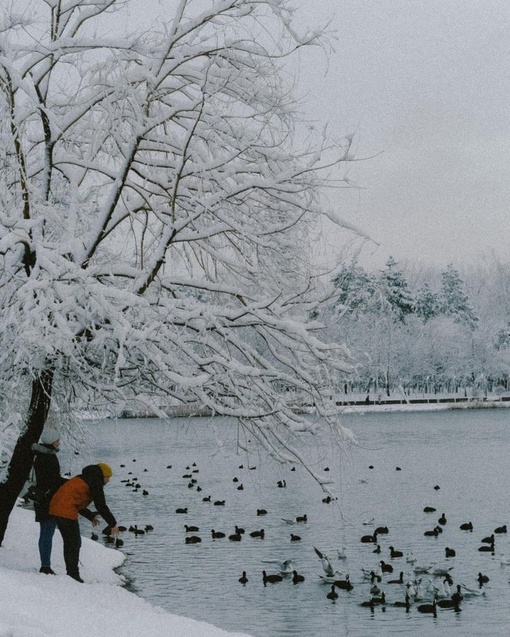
column 70, row 531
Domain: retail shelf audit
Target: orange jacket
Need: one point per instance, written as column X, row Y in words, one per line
column 74, row 496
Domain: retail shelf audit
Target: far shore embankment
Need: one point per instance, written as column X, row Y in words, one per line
column 430, row 403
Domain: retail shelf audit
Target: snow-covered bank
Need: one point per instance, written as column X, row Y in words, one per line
column 37, row 605
column 432, row 406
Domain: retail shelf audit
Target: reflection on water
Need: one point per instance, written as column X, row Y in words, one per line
column 465, row 453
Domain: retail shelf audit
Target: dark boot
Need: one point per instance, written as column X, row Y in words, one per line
column 47, row 570
column 76, row 576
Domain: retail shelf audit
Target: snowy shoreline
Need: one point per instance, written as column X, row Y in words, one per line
column 37, row 605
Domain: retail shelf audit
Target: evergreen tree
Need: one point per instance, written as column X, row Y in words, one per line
column 454, row 300
column 396, row 290
column 356, row 289
column 427, row 304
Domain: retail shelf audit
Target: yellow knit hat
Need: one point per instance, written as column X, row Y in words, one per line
column 106, row 469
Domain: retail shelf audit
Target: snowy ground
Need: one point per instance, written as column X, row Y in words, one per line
column 37, row 605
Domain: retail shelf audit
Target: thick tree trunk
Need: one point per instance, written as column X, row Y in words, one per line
column 21, row 461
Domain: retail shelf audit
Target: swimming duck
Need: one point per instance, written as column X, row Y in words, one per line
column 260, row 534
column 449, row 552
column 261, row 512
column 482, row 579
column 216, row 535
column 344, row 584
column 192, row 539
column 400, row 580
column 442, row 519
column 466, row 526
column 429, row 510
column 191, row 529
column 272, row 579
column 297, row 578
column 386, row 568
column 332, row 594
column 428, row 608
column 182, row 510
column 394, row 553
column 490, row 539
column 500, row 529
column 302, row 518
column 235, row 537
column 295, row 538
column 243, row 579
column 369, row 539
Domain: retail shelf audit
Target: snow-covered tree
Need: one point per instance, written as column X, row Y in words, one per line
column 454, row 300
column 355, row 289
column 154, row 215
column 427, row 304
column 396, row 290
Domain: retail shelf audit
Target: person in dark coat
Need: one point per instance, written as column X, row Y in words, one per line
column 72, row 500
column 48, row 480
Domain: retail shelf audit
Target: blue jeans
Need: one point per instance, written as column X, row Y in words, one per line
column 46, row 540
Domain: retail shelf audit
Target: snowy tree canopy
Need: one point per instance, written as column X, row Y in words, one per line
column 155, row 212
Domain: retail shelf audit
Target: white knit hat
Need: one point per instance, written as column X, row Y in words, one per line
column 49, row 435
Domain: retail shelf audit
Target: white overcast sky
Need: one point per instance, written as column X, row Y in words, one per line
column 424, row 85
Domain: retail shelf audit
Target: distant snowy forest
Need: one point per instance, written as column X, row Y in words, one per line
column 423, row 331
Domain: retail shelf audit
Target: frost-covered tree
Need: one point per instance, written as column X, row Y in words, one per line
column 427, row 304
column 454, row 300
column 355, row 289
column 396, row 290
column 154, row 215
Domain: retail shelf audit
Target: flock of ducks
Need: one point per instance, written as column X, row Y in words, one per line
column 425, row 588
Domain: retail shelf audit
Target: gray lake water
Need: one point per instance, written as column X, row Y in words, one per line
column 464, row 452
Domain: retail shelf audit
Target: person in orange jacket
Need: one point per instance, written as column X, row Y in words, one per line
column 71, row 500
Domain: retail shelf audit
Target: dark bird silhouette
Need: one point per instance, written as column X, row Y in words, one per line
column 219, row 503
column 181, row 510
column 400, row 580
column 482, row 579
column 119, row 542
column 386, row 568
column 382, row 530
column 302, row 518
column 260, row 534
column 394, row 553
column 442, row 519
column 332, row 593
column 191, row 529
column 429, row 510
column 500, row 529
column 466, row 526
column 261, row 512
column 489, row 539
column 272, row 579
column 193, row 539
column 429, row 608
column 216, row 535
column 297, row 578
column 369, row 539
column 295, row 538
column 235, row 537
column 344, row 584
column 239, row 529
column 243, row 579
column 449, row 552
column 148, row 527
column 377, row 549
